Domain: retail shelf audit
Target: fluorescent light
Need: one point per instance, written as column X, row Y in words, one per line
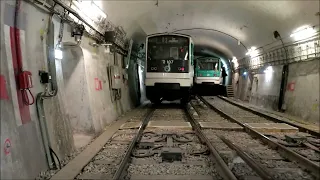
column 234, row 59
column 58, row 54
column 245, row 73
column 252, row 52
column 107, row 50
column 303, row 32
column 97, row 9
column 268, row 70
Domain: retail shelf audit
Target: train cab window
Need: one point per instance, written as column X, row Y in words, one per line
column 174, row 53
column 168, row 48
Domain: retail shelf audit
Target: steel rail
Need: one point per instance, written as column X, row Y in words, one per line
column 224, row 170
column 124, row 162
column 301, row 128
column 260, row 170
column 284, row 151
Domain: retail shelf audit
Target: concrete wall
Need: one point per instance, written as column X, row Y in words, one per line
column 76, row 88
column 263, row 90
column 303, row 100
column 76, row 73
column 260, row 89
column 266, row 88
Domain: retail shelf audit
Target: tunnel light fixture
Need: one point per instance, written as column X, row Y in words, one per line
column 89, row 10
column 107, row 48
column 58, row 54
column 252, row 52
column 269, row 69
column 97, row 10
column 268, row 73
column 245, row 73
column 234, row 59
column 303, row 32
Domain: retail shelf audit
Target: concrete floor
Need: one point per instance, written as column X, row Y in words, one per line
column 81, row 140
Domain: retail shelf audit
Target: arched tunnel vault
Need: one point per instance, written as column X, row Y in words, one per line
column 250, row 22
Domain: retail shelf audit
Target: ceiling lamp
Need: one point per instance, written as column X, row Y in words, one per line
column 234, row 59
column 303, row 32
column 58, row 53
column 252, row 52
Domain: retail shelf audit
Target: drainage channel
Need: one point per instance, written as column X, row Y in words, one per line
column 279, row 152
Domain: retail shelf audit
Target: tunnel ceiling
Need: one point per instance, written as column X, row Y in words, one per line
column 252, row 22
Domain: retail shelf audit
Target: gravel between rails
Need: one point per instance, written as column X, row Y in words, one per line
column 302, row 150
column 176, row 168
column 112, row 152
column 170, row 114
column 238, row 167
column 280, row 168
column 137, row 115
column 207, row 114
column 242, row 115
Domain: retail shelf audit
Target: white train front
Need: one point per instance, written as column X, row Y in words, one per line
column 170, row 69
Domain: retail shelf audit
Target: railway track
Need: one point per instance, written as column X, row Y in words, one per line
column 171, row 153
column 156, row 150
column 285, row 154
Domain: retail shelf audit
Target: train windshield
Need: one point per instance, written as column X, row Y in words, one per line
column 208, row 65
column 168, row 47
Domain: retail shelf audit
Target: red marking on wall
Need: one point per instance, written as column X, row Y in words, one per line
column 7, row 147
column 3, row 88
column 17, row 67
column 97, row 84
column 291, row 86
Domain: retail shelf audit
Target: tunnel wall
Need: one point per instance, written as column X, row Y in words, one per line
column 22, row 152
column 303, row 99
column 261, row 90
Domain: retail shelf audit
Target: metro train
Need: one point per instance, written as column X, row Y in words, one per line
column 208, row 71
column 208, row 76
column 170, row 67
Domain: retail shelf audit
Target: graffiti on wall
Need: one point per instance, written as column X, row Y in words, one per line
column 7, row 146
column 98, row 84
column 291, row 86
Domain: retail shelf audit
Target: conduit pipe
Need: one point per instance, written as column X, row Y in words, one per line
column 73, row 12
column 50, row 92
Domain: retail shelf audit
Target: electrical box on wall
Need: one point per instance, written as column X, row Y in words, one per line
column 110, row 36
column 116, row 77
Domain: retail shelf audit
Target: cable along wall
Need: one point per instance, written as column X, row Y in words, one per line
column 302, row 51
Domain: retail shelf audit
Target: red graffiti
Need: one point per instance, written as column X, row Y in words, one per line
column 98, row 84
column 7, row 147
column 291, row 86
